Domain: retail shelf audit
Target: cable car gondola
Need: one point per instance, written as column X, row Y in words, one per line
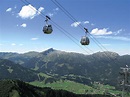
column 47, row 29
column 85, row 39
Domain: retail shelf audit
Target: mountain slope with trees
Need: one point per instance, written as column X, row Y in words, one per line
column 11, row 70
column 103, row 67
column 17, row 88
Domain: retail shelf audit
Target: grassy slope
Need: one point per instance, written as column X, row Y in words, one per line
column 78, row 88
column 17, row 88
column 65, row 85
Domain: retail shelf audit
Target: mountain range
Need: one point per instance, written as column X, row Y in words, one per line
column 103, row 67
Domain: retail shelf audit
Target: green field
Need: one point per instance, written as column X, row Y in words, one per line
column 80, row 88
column 65, row 85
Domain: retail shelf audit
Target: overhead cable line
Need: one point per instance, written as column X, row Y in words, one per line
column 75, row 20
column 66, row 12
column 60, row 28
column 81, row 26
column 57, row 26
column 71, row 17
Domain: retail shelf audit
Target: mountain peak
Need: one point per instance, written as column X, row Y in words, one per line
column 106, row 54
column 48, row 51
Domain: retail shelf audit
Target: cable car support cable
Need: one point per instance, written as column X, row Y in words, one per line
column 58, row 27
column 81, row 26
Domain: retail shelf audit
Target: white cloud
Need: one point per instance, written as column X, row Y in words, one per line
column 118, row 31
column 50, row 14
column 114, row 37
column 28, row 11
column 9, row 9
column 56, row 9
column 40, row 10
column 75, row 24
column 103, row 31
column 86, row 22
column 92, row 24
column 24, row 25
column 20, row 44
column 34, row 38
column 13, row 44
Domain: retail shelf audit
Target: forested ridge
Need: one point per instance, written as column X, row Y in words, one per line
column 101, row 67
column 17, row 88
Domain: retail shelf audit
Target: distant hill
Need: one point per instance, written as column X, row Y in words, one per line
column 17, row 88
column 103, row 67
column 11, row 70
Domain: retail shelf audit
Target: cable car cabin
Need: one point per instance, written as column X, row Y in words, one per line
column 84, row 40
column 47, row 29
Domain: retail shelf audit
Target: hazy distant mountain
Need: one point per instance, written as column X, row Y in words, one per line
column 101, row 66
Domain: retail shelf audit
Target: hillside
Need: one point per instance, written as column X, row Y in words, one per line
column 103, row 67
column 79, row 88
column 17, row 88
column 11, row 70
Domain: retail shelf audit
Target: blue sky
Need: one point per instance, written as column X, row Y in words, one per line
column 108, row 22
